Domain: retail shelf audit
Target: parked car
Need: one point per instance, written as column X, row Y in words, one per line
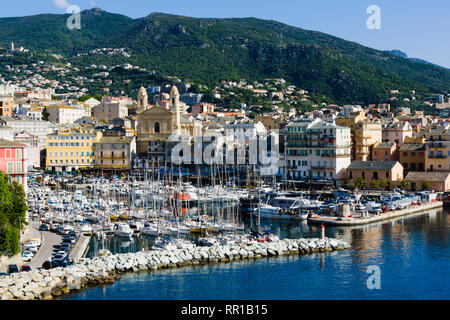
column 57, row 258
column 25, row 268
column 2, row 274
column 44, row 227
column 31, row 248
column 33, row 241
column 12, row 268
column 27, row 256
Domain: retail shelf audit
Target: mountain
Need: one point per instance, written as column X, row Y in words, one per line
column 398, row 53
column 209, row 49
column 404, row 55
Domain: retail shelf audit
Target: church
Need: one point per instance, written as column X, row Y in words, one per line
column 155, row 124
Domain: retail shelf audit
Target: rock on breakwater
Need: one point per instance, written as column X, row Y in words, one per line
column 48, row 284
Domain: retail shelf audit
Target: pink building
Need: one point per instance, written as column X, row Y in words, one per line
column 385, row 151
column 13, row 161
column 202, row 108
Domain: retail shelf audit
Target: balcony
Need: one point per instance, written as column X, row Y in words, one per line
column 321, row 166
column 437, row 145
column 437, row 156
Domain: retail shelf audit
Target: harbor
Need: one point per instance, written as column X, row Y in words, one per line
column 112, row 214
column 49, row 284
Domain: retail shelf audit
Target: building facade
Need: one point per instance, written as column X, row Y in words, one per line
column 390, row 171
column 71, row 149
column 65, row 114
column 367, row 134
column 115, row 153
column 13, row 161
column 316, row 150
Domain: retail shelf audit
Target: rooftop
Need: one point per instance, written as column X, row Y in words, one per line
column 427, row 176
column 372, row 165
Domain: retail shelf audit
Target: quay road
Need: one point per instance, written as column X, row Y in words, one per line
column 49, row 239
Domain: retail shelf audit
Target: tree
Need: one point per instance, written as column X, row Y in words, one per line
column 360, row 182
column 404, row 184
column 351, row 184
column 374, row 184
column 425, row 185
column 45, row 114
column 384, row 184
column 12, row 214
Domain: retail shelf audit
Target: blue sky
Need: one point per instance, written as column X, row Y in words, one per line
column 419, row 28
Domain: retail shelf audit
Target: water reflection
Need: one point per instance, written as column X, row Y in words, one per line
column 412, row 253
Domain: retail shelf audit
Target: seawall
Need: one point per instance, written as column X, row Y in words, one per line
column 49, row 284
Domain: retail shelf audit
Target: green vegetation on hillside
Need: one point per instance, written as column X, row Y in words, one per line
column 206, row 50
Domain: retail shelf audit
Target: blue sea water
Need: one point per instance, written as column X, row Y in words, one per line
column 412, row 253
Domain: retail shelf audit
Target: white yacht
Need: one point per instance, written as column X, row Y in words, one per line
column 123, row 230
column 271, row 212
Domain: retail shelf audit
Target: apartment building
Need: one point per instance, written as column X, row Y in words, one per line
column 71, row 149
column 108, row 110
column 316, row 150
column 396, row 132
column 385, row 151
column 367, row 135
column 13, row 161
column 65, row 114
column 115, row 153
column 437, row 156
column 412, row 155
column 6, row 105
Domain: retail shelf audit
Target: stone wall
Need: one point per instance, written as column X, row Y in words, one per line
column 47, row 284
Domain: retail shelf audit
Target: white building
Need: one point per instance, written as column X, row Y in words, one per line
column 316, row 150
column 65, row 114
column 34, row 127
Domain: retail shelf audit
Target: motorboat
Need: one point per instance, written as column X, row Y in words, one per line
column 123, row 230
column 270, row 212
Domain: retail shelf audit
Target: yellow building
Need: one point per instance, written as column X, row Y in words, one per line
column 367, row 135
column 437, row 150
column 115, row 153
column 156, row 124
column 71, row 149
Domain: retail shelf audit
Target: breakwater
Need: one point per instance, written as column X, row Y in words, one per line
column 49, row 284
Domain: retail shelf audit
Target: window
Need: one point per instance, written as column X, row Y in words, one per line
column 157, row 129
column 18, row 153
column 18, row 167
column 10, row 167
column 387, row 174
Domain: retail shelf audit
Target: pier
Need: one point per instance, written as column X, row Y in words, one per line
column 350, row 221
column 80, row 247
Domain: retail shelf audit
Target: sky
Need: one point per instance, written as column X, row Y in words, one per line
column 416, row 27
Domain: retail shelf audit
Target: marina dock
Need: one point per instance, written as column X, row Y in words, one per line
column 80, row 247
column 350, row 221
